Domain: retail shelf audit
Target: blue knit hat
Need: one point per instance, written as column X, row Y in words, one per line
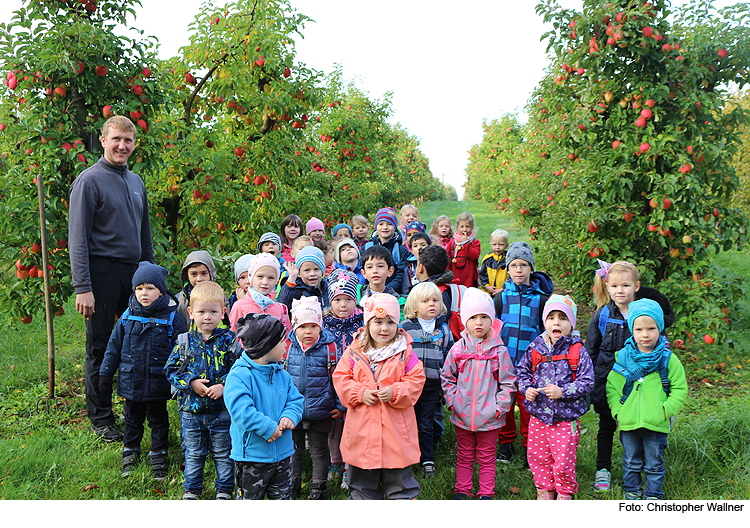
column 648, row 307
column 342, row 226
column 310, row 253
column 148, row 273
column 386, row 214
column 269, row 237
column 416, row 224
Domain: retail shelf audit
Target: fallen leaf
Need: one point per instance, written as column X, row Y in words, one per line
column 515, row 490
column 157, row 490
column 90, row 487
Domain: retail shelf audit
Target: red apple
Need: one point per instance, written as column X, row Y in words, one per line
column 261, row 61
column 640, row 122
column 716, row 212
column 239, row 152
column 646, row 113
column 645, row 147
column 101, row 70
column 650, row 103
column 26, row 320
column 708, row 339
column 666, row 204
column 616, row 144
column 146, row 73
column 723, row 53
column 593, row 226
column 647, row 32
column 653, row 228
column 628, row 216
column 61, row 91
column 287, row 72
column 107, row 111
column 36, row 248
column 190, row 79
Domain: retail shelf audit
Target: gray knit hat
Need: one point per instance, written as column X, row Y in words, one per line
column 520, row 250
column 240, row 265
column 269, row 237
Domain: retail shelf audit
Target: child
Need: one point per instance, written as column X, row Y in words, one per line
column 407, row 213
column 270, row 243
column 139, row 347
column 346, row 255
column 342, row 231
column 520, row 307
column 377, row 266
column 264, row 406
column 464, row 251
column 388, row 236
column 554, row 375
column 411, row 229
column 432, row 266
column 327, row 250
column 197, row 368
column 616, row 286
column 645, row 389
column 478, row 380
column 301, row 242
column 493, row 272
column 379, row 379
column 418, row 242
column 305, row 278
column 263, row 271
column 198, row 267
column 309, row 364
column 291, row 228
column 315, row 229
column 431, row 343
column 240, row 276
column 360, row 230
column 442, row 229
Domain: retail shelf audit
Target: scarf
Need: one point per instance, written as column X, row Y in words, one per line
column 264, row 301
column 428, row 327
column 638, row 363
column 376, row 355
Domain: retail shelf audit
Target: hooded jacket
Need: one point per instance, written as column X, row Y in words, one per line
column 602, row 348
column 343, row 330
column 248, row 305
column 493, row 271
column 444, row 279
column 257, row 398
column 464, row 260
column 140, row 350
column 183, row 298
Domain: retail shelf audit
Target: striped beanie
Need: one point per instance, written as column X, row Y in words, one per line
column 342, row 282
column 386, row 214
column 269, row 237
column 310, row 253
column 415, row 224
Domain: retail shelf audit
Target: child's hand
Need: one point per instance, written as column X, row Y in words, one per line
column 293, row 271
column 491, row 290
column 286, row 423
column 215, row 391
column 531, row 394
column 199, row 386
column 369, row 397
column 336, row 414
column 276, row 434
column 385, row 394
column 553, row 392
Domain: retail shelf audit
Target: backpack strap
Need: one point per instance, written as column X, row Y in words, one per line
column 287, row 344
column 183, row 344
column 331, row 358
column 604, row 318
column 457, row 292
column 573, row 356
column 126, row 315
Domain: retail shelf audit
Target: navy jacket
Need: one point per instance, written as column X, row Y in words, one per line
column 399, row 253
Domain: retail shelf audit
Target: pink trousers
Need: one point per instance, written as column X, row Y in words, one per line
column 479, row 446
column 552, row 455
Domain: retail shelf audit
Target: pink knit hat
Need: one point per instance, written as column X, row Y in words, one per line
column 381, row 305
column 306, row 310
column 261, row 260
column 314, row 224
column 476, row 302
column 563, row 304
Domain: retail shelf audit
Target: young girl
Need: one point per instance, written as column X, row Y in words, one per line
column 342, row 319
column 305, row 278
column 407, row 213
column 308, row 362
column 360, row 230
column 431, row 342
column 327, row 249
column 478, row 380
column 555, row 398
column 379, row 379
column 442, row 229
column 240, row 276
column 262, row 274
column 291, row 227
column 464, row 251
column 615, row 287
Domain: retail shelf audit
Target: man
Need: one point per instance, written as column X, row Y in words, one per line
column 109, row 234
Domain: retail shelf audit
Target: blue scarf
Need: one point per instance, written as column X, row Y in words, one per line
column 638, row 363
column 264, row 301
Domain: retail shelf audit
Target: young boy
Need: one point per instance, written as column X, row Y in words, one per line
column 377, row 266
column 299, row 243
column 493, row 272
column 360, row 230
column 645, row 389
column 197, row 368
column 520, row 306
column 418, row 242
column 305, row 278
column 315, row 229
column 198, row 267
column 342, row 231
column 265, row 407
column 270, row 243
column 346, row 255
column 388, row 236
column 432, row 266
column 139, row 346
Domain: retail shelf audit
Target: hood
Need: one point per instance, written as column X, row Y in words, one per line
column 542, row 282
column 246, row 362
column 645, row 292
column 198, row 257
column 332, row 321
column 442, row 278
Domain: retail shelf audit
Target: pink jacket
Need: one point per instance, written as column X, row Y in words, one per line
column 247, row 305
column 478, row 380
column 383, row 436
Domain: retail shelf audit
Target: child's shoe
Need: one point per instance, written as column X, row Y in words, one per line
column 460, row 496
column 505, row 453
column 223, row 495
column 335, row 471
column 632, row 495
column 428, row 468
column 190, row 495
column 542, row 494
column 318, row 489
column 158, row 464
column 564, row 497
column 602, row 480
column 130, row 459
column 485, row 497
column 345, row 480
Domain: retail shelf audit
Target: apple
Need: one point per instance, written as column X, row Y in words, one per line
column 60, row 90
column 716, row 212
column 107, row 111
column 2, row 126
column 650, row 103
column 26, row 319
column 197, row 194
column 687, row 239
column 143, row 124
column 33, row 272
column 22, row 274
column 644, row 147
column 137, row 89
column 261, row 61
column 190, row 79
column 674, row 252
column 684, row 169
column 723, row 53
column 260, row 180
column 146, row 73
column 101, row 70
column 647, row 32
column 287, row 72
column 640, row 122
column 708, row 339
column 36, row 248
column 12, row 83
column 593, row 226
column 666, row 204
column 628, row 216
column 616, row 144
column 239, row 152
column 653, row 228
column 646, row 113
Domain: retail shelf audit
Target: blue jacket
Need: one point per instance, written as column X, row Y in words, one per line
column 343, row 330
column 311, row 376
column 399, row 253
column 210, row 360
column 257, row 398
column 140, row 350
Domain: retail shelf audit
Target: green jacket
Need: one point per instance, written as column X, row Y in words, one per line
column 648, row 406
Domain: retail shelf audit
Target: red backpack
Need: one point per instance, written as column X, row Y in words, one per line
column 454, row 323
column 573, row 356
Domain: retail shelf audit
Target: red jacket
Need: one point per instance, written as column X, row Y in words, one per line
column 464, row 261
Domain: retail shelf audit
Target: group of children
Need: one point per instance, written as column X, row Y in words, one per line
column 351, row 347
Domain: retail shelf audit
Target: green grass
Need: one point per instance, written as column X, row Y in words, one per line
column 55, row 456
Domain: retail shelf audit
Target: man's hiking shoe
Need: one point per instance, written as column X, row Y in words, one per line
column 158, row 465
column 602, row 480
column 505, row 453
column 130, row 459
column 107, row 433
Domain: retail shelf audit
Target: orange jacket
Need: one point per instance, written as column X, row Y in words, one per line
column 383, row 436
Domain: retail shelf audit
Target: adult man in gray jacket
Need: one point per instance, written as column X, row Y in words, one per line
column 109, row 233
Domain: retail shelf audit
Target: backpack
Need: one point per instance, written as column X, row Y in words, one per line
column 126, row 315
column 331, row 356
column 183, row 343
column 573, row 356
column 457, row 293
column 630, row 377
column 443, row 334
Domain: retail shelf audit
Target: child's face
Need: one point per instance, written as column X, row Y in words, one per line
column 147, row 293
column 292, row 231
column 622, row 288
column 499, row 246
column 242, row 282
column 348, row 253
column 307, row 334
column 198, row 274
column 557, row 325
column 429, row 307
column 342, row 232
column 207, row 315
column 645, row 333
column 310, row 273
column 417, row 245
column 410, row 233
column 342, row 306
column 382, row 330
column 275, row 355
column 329, row 257
column 465, row 228
column 520, row 271
column 360, row 231
column 444, row 227
column 385, row 230
column 376, row 271
column 270, row 247
column 479, row 325
column 303, row 244
column 318, row 234
column 410, row 215
column 264, row 280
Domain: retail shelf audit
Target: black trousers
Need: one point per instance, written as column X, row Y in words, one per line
column 604, row 441
column 111, row 286
column 158, row 420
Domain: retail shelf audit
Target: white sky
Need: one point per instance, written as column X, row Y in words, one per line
column 449, row 64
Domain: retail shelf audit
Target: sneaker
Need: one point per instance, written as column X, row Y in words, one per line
column 130, row 459
column 318, row 489
column 159, row 465
column 190, row 495
column 631, row 495
column 602, row 480
column 485, row 497
column 345, row 480
column 542, row 494
column 564, row 497
column 651, row 498
column 505, row 453
column 223, row 495
column 107, row 433
column 460, row 496
column 428, row 468
column 335, row 471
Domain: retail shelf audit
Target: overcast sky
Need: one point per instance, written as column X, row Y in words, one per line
column 449, row 64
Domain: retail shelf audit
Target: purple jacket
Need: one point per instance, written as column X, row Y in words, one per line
column 573, row 404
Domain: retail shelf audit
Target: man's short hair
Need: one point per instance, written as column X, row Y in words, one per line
column 377, row 252
column 120, row 123
column 207, row 291
column 435, row 259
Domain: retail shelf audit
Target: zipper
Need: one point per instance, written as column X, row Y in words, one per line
column 474, row 392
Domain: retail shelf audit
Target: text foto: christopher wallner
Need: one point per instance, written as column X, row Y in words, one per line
column 682, row 508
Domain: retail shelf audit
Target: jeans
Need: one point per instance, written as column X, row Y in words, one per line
column 643, row 451
column 425, row 412
column 201, row 434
